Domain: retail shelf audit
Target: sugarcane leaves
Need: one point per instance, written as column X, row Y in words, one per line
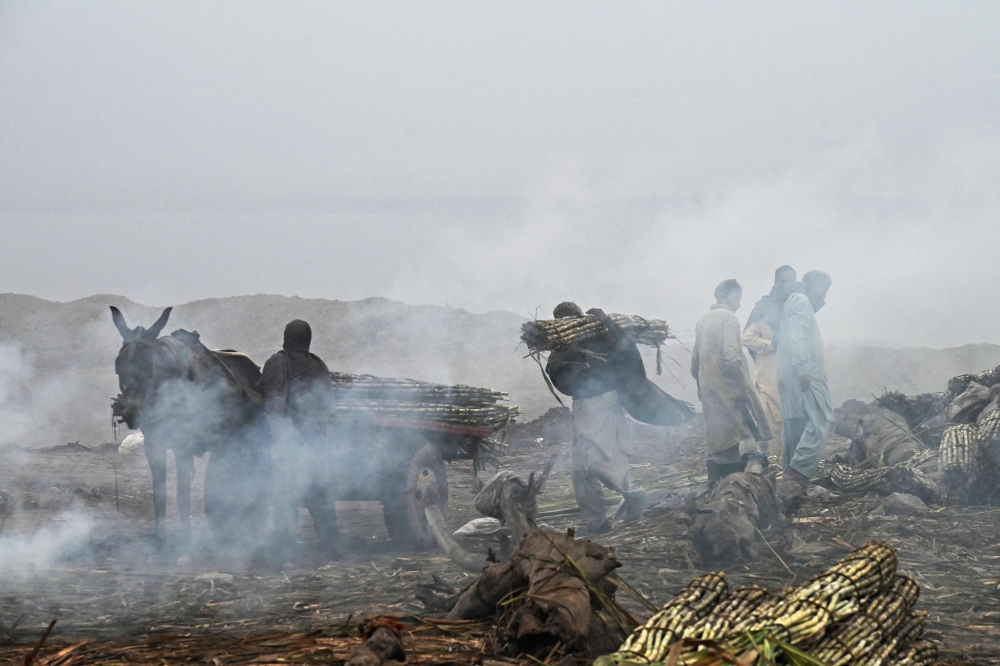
column 794, row 655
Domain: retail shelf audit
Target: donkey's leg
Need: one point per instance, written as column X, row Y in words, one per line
column 156, row 455
column 185, row 472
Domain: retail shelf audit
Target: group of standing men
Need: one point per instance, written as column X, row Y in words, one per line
column 786, row 401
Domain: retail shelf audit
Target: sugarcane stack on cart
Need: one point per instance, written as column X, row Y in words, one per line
column 559, row 335
column 859, row 611
column 476, row 417
column 410, row 400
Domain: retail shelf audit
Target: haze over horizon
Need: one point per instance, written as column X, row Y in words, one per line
column 508, row 157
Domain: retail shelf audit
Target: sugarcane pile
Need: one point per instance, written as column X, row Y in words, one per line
column 412, row 400
column 560, row 335
column 859, row 611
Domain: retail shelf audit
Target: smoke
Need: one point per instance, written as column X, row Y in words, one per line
column 29, row 402
column 68, row 537
column 627, row 159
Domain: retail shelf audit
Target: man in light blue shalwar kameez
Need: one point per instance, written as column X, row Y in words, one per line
column 806, row 408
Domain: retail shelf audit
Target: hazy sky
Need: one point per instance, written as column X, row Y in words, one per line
column 509, row 155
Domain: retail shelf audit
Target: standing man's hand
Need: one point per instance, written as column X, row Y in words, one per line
column 599, row 313
column 804, row 382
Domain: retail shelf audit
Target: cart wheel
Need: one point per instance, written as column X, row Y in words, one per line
column 404, row 515
column 236, row 496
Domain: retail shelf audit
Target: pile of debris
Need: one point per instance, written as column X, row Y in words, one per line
column 859, row 611
column 394, row 401
column 569, row 332
column 897, row 434
column 550, row 596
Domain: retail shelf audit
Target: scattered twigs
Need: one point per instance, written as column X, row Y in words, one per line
column 9, row 631
column 30, row 657
column 427, row 643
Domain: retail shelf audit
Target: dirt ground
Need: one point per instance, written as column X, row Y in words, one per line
column 109, row 584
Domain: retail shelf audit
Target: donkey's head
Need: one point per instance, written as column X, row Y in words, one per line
column 135, row 366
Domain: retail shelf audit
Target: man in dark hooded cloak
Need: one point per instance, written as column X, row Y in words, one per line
column 298, row 393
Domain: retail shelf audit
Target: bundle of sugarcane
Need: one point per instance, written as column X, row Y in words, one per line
column 742, row 601
column 569, row 332
column 857, row 612
column 368, row 387
column 408, row 399
column 458, row 414
column 651, row 642
column 920, row 653
column 989, row 429
column 853, row 480
column 960, row 448
column 906, row 636
column 455, row 395
column 806, row 612
column 869, row 636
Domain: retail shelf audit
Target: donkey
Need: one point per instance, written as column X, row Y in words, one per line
column 184, row 398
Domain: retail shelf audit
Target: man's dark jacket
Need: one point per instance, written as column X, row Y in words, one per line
column 296, row 383
column 614, row 363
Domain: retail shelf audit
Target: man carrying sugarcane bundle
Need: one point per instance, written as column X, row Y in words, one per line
column 806, row 408
column 298, row 396
column 759, row 337
column 736, row 425
column 595, row 375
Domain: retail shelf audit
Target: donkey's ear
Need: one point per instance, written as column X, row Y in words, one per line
column 154, row 330
column 119, row 319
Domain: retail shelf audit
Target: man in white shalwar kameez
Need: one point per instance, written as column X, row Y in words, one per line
column 726, row 390
column 806, row 407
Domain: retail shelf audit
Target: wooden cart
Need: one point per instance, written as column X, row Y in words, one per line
column 391, row 460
